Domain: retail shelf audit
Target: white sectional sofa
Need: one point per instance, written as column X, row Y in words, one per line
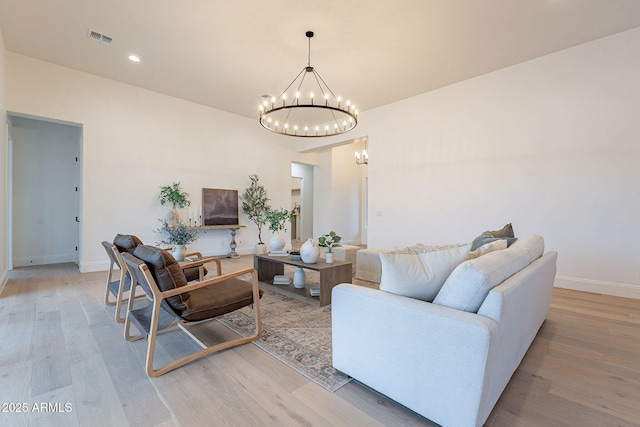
column 448, row 360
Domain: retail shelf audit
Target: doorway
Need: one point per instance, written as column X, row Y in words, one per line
column 44, row 191
column 302, row 200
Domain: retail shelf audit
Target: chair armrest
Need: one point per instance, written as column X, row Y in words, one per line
column 193, row 254
column 211, row 281
column 202, row 262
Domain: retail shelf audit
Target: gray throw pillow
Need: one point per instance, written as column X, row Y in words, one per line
column 487, row 237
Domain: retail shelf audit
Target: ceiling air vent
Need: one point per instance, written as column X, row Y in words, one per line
column 94, row 35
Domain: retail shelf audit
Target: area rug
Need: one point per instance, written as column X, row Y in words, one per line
column 294, row 332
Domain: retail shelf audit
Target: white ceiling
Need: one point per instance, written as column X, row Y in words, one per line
column 227, row 53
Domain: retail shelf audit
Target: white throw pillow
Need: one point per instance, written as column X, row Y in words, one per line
column 419, row 275
column 468, row 285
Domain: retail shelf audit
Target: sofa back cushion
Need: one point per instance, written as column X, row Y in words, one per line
column 167, row 274
column 468, row 285
column 421, row 271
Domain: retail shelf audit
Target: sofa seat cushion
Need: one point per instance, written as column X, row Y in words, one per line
column 419, row 274
column 470, row 282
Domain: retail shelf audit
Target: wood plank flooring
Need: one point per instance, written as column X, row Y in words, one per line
column 63, row 356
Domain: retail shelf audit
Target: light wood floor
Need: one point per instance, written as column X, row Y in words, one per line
column 59, row 345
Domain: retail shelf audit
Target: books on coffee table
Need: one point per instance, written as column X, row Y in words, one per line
column 314, row 291
column 281, row 279
column 278, row 253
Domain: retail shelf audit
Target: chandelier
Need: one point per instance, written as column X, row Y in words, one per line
column 362, row 158
column 308, row 112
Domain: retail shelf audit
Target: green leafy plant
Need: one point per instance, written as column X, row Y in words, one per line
column 173, row 194
column 179, row 234
column 278, row 218
column 255, row 204
column 329, row 241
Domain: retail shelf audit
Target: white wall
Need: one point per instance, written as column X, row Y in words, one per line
column 346, row 194
column 135, row 141
column 551, row 145
column 4, row 146
column 306, row 172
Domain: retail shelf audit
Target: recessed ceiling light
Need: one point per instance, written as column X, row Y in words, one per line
column 134, row 58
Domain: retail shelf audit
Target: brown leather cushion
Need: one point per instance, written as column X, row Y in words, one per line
column 167, row 274
column 217, row 299
column 126, row 242
column 193, row 273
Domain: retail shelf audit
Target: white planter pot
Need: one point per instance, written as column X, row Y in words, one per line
column 328, row 257
column 276, row 242
column 261, row 249
column 309, row 252
column 178, row 252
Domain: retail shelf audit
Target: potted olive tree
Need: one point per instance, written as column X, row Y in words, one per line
column 255, row 204
column 173, row 194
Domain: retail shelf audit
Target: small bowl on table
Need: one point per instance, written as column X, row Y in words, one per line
column 295, row 256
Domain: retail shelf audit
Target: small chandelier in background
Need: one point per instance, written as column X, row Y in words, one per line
column 308, row 113
column 362, row 158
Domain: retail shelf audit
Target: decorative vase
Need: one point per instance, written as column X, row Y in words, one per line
column 276, row 242
column 299, row 278
column 309, row 252
column 328, row 257
column 174, row 216
column 178, row 252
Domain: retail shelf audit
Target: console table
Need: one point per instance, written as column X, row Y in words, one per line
column 330, row 275
column 233, row 228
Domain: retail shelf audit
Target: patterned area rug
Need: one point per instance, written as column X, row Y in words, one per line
column 295, row 333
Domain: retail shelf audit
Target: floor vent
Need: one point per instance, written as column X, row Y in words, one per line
column 94, row 35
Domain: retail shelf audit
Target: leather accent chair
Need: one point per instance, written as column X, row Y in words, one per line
column 175, row 301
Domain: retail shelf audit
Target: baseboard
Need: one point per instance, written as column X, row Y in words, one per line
column 3, row 281
column 90, row 267
column 43, row 260
column 598, row 287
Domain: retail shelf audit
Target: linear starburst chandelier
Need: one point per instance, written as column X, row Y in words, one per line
column 308, row 111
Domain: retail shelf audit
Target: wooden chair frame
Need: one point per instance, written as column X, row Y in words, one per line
column 111, row 289
column 160, row 318
column 118, row 292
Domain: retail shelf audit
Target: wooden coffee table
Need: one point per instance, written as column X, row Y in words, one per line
column 330, row 275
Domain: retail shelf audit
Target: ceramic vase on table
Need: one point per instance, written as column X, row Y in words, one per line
column 174, row 216
column 276, row 243
column 178, row 252
column 309, row 252
column 328, row 257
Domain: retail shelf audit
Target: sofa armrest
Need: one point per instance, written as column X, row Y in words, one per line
column 430, row 358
